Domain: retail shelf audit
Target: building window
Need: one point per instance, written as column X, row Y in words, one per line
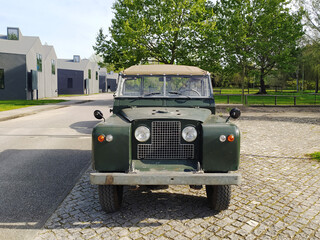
column 1, row 78
column 97, row 75
column 53, row 67
column 13, row 33
column 70, row 83
column 76, row 58
column 39, row 62
column 89, row 73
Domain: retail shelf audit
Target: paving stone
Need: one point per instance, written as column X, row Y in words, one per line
column 279, row 197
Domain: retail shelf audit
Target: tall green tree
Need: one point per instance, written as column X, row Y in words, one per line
column 278, row 33
column 311, row 51
column 168, row 31
column 234, row 29
column 259, row 34
column 311, row 63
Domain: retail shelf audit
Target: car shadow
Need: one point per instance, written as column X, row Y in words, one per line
column 84, row 127
column 141, row 207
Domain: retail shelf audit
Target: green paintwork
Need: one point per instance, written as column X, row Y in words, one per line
column 197, row 114
column 121, row 103
column 112, row 156
column 116, row 156
column 220, row 156
column 129, row 113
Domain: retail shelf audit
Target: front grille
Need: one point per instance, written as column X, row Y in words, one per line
column 165, row 143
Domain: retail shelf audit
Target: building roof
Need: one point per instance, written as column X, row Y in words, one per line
column 46, row 49
column 103, row 72
column 164, row 69
column 71, row 65
column 21, row 46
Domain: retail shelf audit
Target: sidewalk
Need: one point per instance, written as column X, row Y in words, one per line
column 21, row 112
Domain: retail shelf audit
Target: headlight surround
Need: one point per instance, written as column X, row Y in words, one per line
column 142, row 134
column 189, row 134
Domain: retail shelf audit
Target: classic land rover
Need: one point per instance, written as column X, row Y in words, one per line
column 164, row 131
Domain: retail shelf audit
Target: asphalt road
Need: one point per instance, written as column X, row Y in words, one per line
column 42, row 156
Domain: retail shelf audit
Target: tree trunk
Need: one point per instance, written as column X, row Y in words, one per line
column 317, row 83
column 242, row 83
column 262, row 89
column 297, row 75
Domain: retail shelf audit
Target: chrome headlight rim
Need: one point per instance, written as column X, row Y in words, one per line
column 189, row 133
column 142, row 133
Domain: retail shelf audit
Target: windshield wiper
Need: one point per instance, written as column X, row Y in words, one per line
column 152, row 93
column 179, row 93
column 175, row 92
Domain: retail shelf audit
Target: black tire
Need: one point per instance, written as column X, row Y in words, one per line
column 110, row 197
column 218, row 196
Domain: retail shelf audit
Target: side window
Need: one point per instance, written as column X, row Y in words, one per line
column 53, row 67
column 1, row 78
column 13, row 34
column 70, row 83
column 39, row 62
column 97, row 78
column 89, row 73
column 131, row 87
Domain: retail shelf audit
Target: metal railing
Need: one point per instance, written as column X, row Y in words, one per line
column 276, row 100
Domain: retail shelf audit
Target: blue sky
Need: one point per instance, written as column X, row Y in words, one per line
column 71, row 26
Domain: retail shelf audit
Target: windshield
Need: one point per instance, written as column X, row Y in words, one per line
column 165, row 86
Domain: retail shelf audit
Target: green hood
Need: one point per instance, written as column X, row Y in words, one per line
column 198, row 114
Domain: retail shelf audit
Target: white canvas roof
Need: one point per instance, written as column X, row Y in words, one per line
column 164, row 69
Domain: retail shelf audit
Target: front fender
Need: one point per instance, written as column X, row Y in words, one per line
column 112, row 156
column 220, row 156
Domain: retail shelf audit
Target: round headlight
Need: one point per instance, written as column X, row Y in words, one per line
column 189, row 134
column 142, row 134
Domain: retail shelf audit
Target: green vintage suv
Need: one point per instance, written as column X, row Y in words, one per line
column 163, row 130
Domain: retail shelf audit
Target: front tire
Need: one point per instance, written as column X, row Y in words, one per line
column 110, row 197
column 218, row 196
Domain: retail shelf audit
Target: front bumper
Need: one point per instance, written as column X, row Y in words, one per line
column 165, row 178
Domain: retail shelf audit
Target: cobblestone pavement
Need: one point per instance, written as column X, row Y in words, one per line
column 279, row 197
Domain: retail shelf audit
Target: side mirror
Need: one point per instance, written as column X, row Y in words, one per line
column 98, row 114
column 234, row 113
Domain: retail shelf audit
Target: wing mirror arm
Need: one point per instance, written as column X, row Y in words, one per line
column 234, row 113
column 98, row 115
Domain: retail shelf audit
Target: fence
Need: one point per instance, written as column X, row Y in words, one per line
column 256, row 99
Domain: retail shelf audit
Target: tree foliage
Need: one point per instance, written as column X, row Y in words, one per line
column 311, row 51
column 260, row 35
column 228, row 36
column 171, row 31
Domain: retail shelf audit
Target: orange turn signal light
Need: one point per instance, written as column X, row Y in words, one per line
column 231, row 138
column 101, row 138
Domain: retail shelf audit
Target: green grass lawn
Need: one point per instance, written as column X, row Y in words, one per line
column 315, row 156
column 285, row 97
column 15, row 104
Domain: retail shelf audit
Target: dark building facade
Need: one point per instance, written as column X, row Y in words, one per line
column 14, row 78
column 107, row 81
column 27, row 68
column 70, row 81
column 77, row 76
